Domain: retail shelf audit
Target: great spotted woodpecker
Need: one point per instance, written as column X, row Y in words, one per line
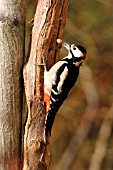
column 59, row 80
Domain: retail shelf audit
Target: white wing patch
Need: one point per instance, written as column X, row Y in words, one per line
column 62, row 78
column 49, row 76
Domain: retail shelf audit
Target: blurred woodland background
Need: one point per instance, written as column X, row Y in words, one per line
column 82, row 136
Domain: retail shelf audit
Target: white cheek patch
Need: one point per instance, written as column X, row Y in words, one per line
column 62, row 78
column 77, row 53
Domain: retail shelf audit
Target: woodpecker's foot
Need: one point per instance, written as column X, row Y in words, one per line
column 43, row 63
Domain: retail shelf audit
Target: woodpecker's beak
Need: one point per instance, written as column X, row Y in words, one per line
column 66, row 45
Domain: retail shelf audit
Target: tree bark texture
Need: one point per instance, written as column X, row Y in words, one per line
column 49, row 22
column 12, row 22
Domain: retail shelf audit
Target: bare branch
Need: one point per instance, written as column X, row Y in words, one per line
column 49, row 23
column 12, row 22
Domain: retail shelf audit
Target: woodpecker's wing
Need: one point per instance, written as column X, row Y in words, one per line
column 62, row 83
column 56, row 97
column 50, row 78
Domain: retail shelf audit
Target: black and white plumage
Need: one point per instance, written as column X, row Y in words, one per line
column 60, row 79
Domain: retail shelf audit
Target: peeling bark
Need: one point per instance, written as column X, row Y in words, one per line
column 49, row 22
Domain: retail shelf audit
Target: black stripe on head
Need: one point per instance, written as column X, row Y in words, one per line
column 81, row 48
column 76, row 59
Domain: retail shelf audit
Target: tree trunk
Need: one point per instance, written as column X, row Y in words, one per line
column 12, row 21
column 49, row 22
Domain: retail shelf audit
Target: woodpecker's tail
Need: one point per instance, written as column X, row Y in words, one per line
column 49, row 122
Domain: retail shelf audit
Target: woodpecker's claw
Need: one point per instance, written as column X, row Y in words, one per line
column 42, row 64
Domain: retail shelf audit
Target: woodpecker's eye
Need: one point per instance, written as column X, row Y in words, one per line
column 74, row 48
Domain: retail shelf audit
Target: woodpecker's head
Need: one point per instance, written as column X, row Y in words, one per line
column 76, row 50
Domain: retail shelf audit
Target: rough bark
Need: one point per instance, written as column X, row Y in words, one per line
column 12, row 21
column 49, row 22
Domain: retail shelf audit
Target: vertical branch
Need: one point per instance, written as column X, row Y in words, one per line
column 12, row 22
column 47, row 28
